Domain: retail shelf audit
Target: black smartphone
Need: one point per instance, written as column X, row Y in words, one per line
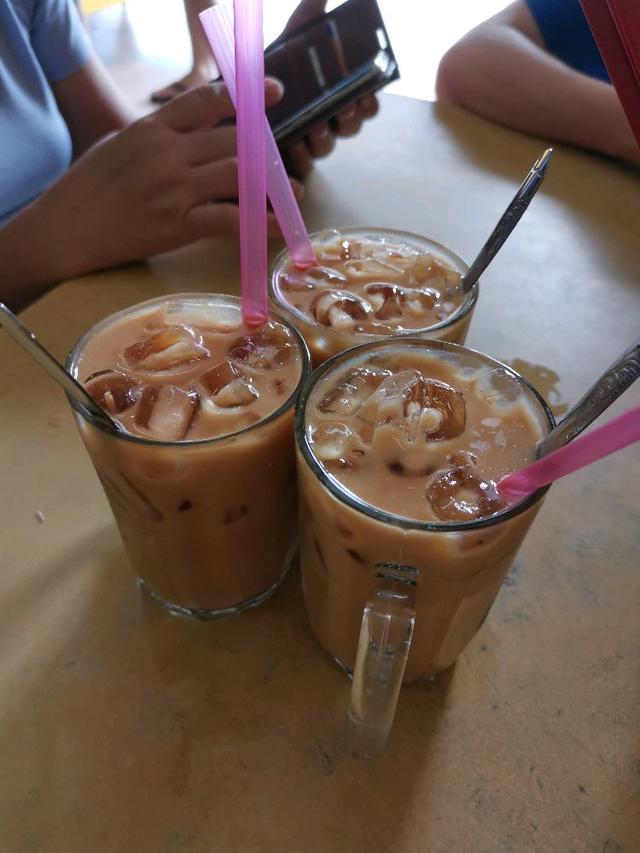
column 326, row 64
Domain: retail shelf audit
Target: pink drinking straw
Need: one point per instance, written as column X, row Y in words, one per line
column 252, row 180
column 579, row 453
column 218, row 28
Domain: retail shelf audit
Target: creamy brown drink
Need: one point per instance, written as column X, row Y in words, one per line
column 400, row 446
column 202, row 481
column 371, row 283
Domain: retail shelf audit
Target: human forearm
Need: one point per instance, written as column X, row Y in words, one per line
column 499, row 73
column 92, row 105
column 32, row 257
column 159, row 184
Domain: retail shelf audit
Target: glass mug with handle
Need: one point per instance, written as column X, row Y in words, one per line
column 405, row 540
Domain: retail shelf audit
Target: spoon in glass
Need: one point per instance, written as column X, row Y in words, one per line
column 29, row 343
column 508, row 221
column 614, row 381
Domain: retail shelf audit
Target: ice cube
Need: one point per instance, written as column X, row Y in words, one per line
column 426, row 267
column 422, row 267
column 209, row 316
column 351, row 390
column 268, row 347
column 372, row 269
column 418, row 302
column 462, row 458
column 217, row 377
column 416, row 407
column 460, row 494
column 113, row 390
column 430, row 421
column 386, row 300
column 294, row 283
column 238, row 392
column 177, row 346
column 338, row 309
column 452, row 407
column 330, row 440
column 167, row 411
column 396, row 403
column 325, row 275
column 145, row 406
column 228, row 386
column 345, row 250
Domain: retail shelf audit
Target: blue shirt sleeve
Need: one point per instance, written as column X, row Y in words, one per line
column 567, row 36
column 59, row 38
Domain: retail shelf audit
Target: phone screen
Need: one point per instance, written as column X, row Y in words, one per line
column 333, row 60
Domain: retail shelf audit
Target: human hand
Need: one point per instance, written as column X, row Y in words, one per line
column 347, row 122
column 163, row 182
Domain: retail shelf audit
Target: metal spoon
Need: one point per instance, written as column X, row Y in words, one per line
column 29, row 343
column 509, row 220
column 614, row 381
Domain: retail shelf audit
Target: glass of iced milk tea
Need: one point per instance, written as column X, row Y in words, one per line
column 202, row 478
column 405, row 540
column 371, row 283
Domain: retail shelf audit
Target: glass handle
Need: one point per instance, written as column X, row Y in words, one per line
column 388, row 620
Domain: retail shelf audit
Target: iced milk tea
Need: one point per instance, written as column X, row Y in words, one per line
column 400, row 446
column 201, row 481
column 371, row 283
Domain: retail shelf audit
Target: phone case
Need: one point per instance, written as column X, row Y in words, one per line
column 326, row 65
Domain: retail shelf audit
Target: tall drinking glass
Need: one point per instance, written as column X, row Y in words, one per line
column 207, row 520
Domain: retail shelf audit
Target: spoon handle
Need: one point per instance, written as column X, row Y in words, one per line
column 30, row 344
column 614, row 381
column 509, row 220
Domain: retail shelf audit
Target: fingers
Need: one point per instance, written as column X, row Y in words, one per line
column 211, row 220
column 217, row 180
column 320, row 141
column 273, row 91
column 213, row 143
column 299, row 160
column 200, row 108
column 368, row 106
column 348, row 121
column 206, row 146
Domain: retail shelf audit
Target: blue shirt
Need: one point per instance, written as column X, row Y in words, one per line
column 567, row 36
column 41, row 42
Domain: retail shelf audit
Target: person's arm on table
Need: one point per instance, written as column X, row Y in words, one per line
column 502, row 71
column 161, row 183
